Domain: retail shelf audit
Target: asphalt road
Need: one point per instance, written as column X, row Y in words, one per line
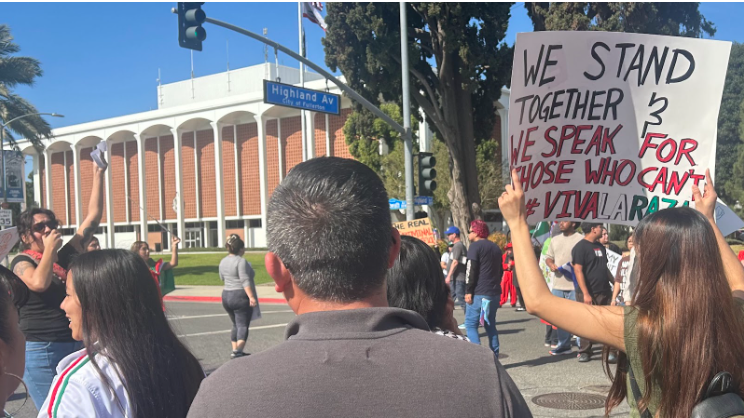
column 205, row 328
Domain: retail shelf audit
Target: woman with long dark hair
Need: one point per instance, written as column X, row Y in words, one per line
column 416, row 282
column 13, row 295
column 133, row 365
column 239, row 295
column 686, row 323
column 42, row 265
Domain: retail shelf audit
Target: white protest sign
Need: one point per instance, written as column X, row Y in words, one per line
column 613, row 261
column 8, row 239
column 612, row 126
column 726, row 219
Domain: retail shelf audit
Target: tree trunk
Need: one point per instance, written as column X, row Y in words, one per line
column 457, row 131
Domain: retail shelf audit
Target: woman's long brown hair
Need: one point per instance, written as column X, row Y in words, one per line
column 689, row 328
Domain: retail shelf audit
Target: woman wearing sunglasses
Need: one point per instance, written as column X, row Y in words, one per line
column 42, row 265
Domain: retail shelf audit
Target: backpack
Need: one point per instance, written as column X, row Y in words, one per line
column 720, row 400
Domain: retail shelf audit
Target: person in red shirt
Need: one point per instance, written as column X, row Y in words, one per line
column 507, row 281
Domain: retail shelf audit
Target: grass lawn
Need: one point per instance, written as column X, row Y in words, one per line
column 201, row 269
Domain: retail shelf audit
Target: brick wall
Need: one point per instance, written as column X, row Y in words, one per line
column 188, row 168
column 58, row 185
column 207, row 173
column 228, row 171
column 320, row 142
column 336, row 127
column 70, row 173
column 250, row 185
column 118, row 186
column 86, row 183
column 151, row 178
column 168, row 174
column 237, row 231
column 132, row 164
column 292, row 136
column 272, row 157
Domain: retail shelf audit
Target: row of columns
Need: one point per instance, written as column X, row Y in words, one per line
column 308, row 151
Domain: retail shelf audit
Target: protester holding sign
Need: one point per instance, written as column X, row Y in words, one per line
column 605, row 240
column 42, row 265
column 621, row 277
column 678, row 334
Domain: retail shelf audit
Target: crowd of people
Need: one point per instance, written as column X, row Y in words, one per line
column 373, row 310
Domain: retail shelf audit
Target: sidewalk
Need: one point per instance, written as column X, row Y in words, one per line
column 265, row 293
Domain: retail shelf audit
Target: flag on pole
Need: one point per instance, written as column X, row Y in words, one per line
column 311, row 11
column 541, row 232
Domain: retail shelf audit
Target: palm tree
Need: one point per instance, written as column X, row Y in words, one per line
column 14, row 71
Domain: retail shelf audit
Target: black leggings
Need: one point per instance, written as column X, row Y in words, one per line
column 239, row 308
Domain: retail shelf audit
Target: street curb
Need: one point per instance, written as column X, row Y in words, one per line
column 214, row 299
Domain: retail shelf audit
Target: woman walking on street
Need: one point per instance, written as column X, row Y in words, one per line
column 42, row 265
column 679, row 334
column 133, row 364
column 239, row 295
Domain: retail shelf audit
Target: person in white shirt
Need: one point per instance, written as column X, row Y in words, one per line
column 445, row 261
column 133, row 365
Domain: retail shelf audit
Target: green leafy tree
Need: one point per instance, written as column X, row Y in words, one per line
column 729, row 148
column 458, row 65
column 19, row 71
column 676, row 19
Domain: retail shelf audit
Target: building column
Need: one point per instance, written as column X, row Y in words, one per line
column 78, row 193
column 310, row 129
column 179, row 182
column 48, row 178
column 142, row 191
column 109, row 200
column 279, row 144
column 37, row 178
column 262, row 177
column 219, row 180
column 505, row 150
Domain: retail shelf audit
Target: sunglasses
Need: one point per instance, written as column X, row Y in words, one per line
column 41, row 226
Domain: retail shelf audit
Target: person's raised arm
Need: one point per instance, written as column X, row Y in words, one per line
column 174, row 254
column 598, row 323
column 95, row 212
column 706, row 203
column 38, row 278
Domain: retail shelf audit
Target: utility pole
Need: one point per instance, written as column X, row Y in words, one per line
column 408, row 150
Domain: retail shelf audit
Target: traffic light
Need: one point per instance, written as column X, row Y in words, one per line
column 190, row 32
column 427, row 174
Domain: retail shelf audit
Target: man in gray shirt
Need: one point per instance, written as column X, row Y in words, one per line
column 458, row 261
column 347, row 353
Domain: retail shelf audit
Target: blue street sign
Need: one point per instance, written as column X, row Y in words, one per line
column 396, row 204
column 423, row 200
column 291, row 96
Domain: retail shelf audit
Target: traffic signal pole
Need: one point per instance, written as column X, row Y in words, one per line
column 405, row 132
column 408, row 141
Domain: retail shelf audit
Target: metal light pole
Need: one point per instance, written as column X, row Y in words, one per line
column 2, row 144
column 408, row 149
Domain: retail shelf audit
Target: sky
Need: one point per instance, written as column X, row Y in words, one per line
column 101, row 60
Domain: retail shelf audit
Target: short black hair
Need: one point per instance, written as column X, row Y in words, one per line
column 588, row 226
column 329, row 222
column 416, row 282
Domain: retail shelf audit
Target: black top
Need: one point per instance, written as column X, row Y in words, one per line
column 592, row 257
column 41, row 319
column 484, row 269
column 614, row 248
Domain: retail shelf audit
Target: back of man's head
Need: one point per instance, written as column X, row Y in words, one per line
column 329, row 222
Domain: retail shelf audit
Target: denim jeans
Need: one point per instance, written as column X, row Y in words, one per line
column 457, row 290
column 564, row 337
column 472, row 319
column 41, row 366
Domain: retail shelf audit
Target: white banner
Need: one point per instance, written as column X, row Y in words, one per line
column 612, row 126
column 613, row 261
